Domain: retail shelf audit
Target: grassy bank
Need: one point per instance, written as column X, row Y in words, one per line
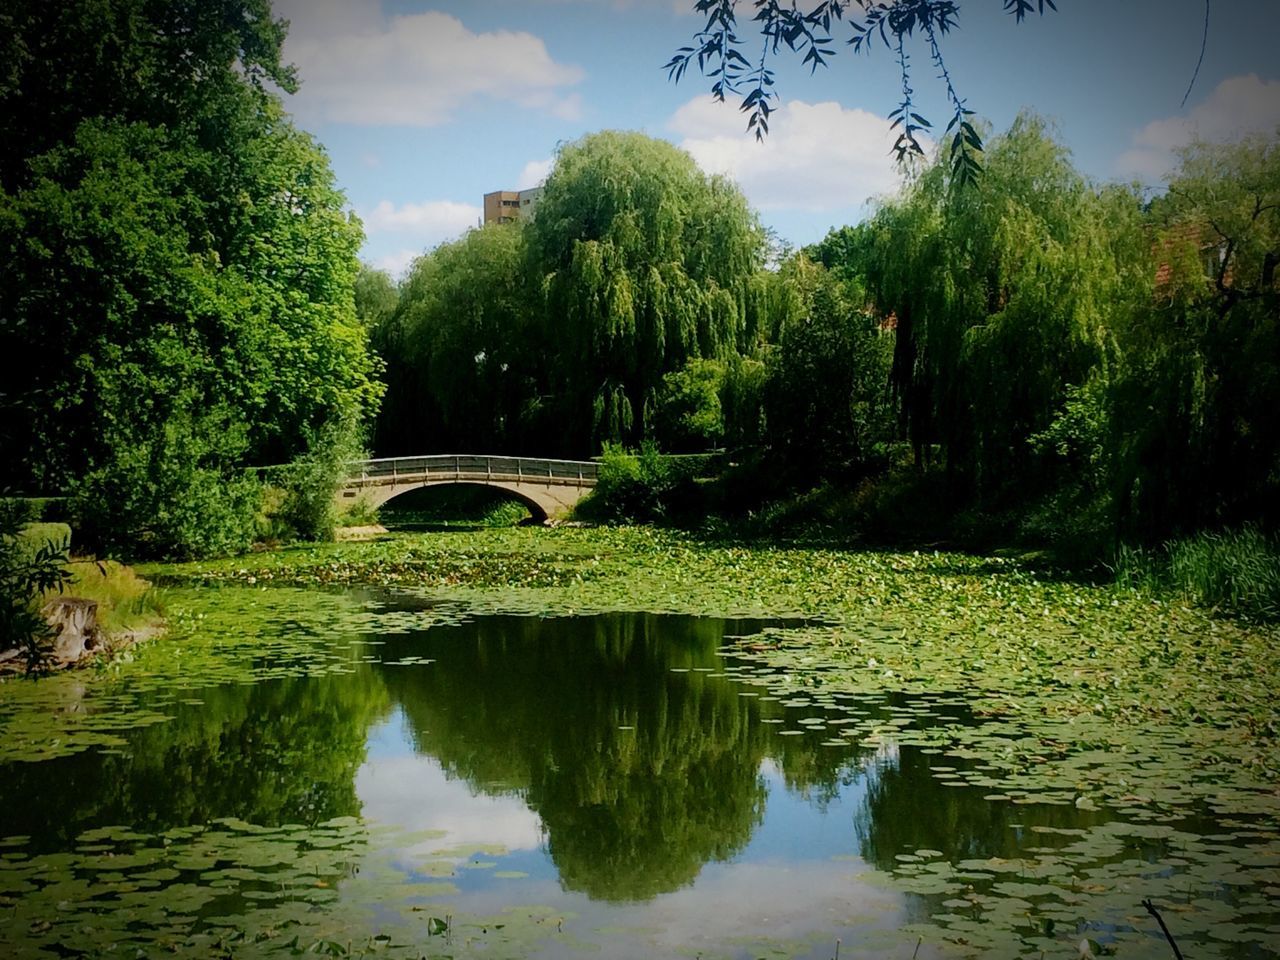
column 127, row 604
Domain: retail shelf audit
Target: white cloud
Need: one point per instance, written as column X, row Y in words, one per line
column 360, row 66
column 371, row 160
column 413, row 794
column 1237, row 106
column 440, row 219
column 534, row 172
column 425, row 225
column 397, row 264
column 817, row 157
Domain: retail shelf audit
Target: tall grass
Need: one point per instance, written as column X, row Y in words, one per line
column 1237, row 571
column 125, row 600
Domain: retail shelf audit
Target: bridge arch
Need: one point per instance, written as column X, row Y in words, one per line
column 538, row 512
column 549, row 488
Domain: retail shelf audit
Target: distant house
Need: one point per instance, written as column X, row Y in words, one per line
column 1211, row 252
column 507, row 206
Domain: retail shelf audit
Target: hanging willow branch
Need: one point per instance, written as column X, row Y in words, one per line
column 716, row 49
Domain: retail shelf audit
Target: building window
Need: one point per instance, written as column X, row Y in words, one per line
column 1211, row 260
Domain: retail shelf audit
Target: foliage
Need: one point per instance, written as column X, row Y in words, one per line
column 689, row 418
column 27, row 571
column 742, row 401
column 553, row 336
column 719, row 54
column 171, row 492
column 630, row 487
column 645, row 263
column 826, row 401
column 1001, row 301
column 1197, row 444
column 376, row 296
column 313, row 480
column 360, row 512
column 176, row 252
column 460, row 355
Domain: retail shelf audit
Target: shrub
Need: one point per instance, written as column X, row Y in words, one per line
column 142, row 505
column 25, row 574
column 312, row 481
column 171, row 493
column 630, row 486
column 359, row 513
column 689, row 417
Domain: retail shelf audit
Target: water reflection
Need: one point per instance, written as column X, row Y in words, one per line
column 275, row 752
column 909, row 806
column 640, row 775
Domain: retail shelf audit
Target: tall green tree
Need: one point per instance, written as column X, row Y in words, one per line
column 643, row 262
column 1194, row 404
column 827, row 403
column 1003, row 298
column 179, row 266
column 376, row 295
column 460, row 356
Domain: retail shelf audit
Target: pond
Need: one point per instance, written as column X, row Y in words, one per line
column 380, row 774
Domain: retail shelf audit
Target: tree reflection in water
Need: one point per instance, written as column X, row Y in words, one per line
column 641, row 775
column 278, row 751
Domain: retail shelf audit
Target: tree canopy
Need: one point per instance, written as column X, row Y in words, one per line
column 179, row 265
column 556, row 335
column 643, row 261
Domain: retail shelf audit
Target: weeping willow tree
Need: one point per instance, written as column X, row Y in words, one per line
column 456, row 345
column 645, row 262
column 1004, row 300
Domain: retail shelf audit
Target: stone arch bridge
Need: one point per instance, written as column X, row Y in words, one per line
column 549, row 488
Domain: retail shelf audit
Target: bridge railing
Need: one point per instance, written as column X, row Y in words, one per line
column 471, row 466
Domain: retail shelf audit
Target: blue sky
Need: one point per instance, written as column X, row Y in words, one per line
column 425, row 106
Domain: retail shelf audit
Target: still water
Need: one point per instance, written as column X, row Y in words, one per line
column 613, row 785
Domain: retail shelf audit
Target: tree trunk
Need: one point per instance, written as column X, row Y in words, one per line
column 76, row 623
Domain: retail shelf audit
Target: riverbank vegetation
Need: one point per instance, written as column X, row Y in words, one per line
column 180, row 271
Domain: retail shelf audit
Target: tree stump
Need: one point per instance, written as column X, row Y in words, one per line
column 76, row 623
